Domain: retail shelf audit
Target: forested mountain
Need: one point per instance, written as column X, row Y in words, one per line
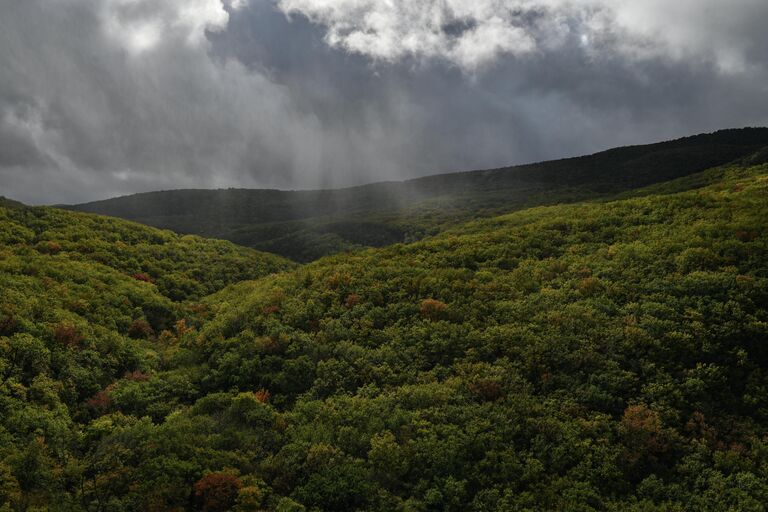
column 306, row 225
column 605, row 355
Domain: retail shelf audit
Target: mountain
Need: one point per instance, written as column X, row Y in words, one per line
column 602, row 355
column 305, row 225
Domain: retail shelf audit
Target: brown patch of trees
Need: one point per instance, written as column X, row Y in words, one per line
column 433, row 309
column 217, row 492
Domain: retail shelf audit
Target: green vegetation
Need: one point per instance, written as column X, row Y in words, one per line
column 10, row 203
column 182, row 267
column 85, row 301
column 605, row 355
column 304, row 226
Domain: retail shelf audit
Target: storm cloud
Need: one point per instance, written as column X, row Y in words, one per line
column 106, row 97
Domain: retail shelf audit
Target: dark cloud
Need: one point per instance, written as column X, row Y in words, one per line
column 105, row 97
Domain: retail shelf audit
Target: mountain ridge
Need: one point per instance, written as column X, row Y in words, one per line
column 307, row 224
column 758, row 141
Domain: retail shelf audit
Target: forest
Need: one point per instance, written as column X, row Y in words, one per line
column 604, row 353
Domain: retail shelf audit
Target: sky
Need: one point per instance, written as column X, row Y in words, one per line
column 100, row 98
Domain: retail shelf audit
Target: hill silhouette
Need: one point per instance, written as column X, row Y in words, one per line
column 305, row 225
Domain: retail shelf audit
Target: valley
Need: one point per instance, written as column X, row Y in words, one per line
column 602, row 347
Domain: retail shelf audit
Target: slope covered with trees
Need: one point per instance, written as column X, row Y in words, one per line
column 83, row 301
column 306, row 225
column 182, row 267
column 594, row 356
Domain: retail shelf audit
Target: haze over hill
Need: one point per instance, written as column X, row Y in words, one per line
column 305, row 225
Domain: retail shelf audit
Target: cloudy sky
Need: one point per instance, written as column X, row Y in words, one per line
column 108, row 97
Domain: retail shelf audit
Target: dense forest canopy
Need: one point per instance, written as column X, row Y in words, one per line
column 600, row 355
column 305, row 225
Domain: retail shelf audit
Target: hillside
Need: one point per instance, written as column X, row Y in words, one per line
column 593, row 356
column 306, row 225
column 84, row 301
column 9, row 203
column 182, row 267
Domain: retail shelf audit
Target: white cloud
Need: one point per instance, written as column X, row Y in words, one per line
column 475, row 33
column 141, row 25
column 237, row 4
column 470, row 34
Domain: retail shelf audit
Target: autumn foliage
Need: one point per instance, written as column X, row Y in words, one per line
column 100, row 402
column 136, row 376
column 53, row 247
column 271, row 310
column 141, row 276
column 262, row 396
column 67, row 334
column 217, row 492
column 8, row 324
column 352, row 300
column 432, row 309
column 645, row 438
column 140, row 329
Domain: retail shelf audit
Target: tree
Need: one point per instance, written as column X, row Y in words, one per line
column 22, row 357
column 217, row 492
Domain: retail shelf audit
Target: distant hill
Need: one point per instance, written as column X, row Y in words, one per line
column 10, row 203
column 304, row 225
